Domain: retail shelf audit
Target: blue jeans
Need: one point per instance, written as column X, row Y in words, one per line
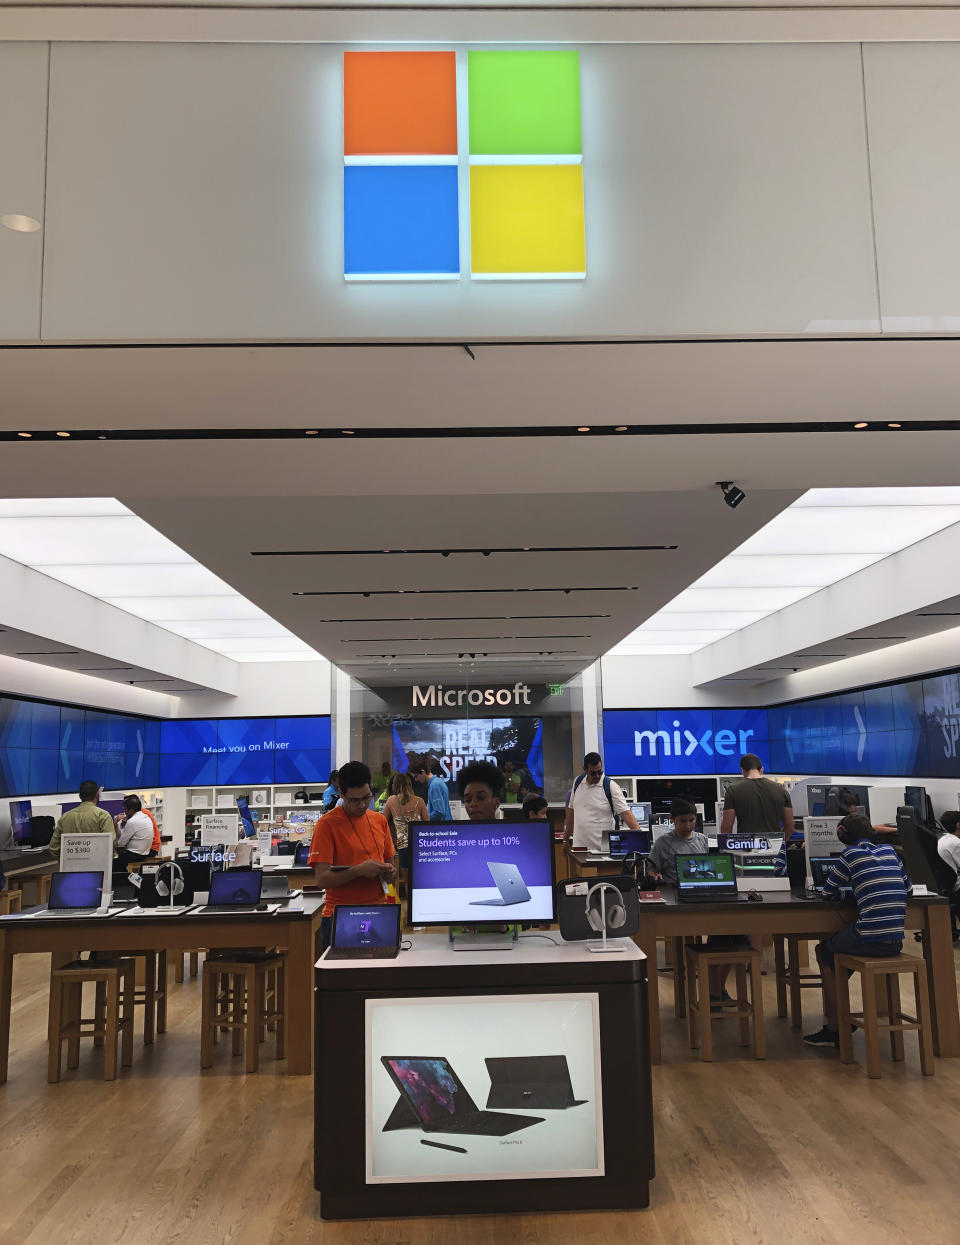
column 848, row 942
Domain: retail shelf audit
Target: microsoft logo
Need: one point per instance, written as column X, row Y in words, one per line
column 405, row 175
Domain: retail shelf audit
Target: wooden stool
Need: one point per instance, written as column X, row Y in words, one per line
column 699, row 960
column 896, row 1021
column 244, row 994
column 10, row 901
column 152, row 996
column 112, row 1018
column 789, row 977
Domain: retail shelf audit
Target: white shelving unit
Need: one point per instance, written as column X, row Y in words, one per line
column 276, row 800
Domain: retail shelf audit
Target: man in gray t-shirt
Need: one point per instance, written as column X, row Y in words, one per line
column 683, row 840
column 759, row 806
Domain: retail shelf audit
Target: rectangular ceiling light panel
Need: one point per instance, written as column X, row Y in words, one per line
column 402, row 162
column 823, row 537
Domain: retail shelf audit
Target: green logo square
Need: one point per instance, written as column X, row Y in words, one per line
column 524, row 103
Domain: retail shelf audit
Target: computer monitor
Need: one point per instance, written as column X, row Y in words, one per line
column 246, row 818
column 21, row 822
column 839, row 799
column 481, row 873
column 302, row 854
column 918, row 799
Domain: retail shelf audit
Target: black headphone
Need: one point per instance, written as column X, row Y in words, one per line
column 848, row 836
column 616, row 912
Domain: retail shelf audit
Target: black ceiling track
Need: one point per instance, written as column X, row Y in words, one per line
column 38, row 436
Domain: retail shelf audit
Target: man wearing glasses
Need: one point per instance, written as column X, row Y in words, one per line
column 351, row 852
column 593, row 805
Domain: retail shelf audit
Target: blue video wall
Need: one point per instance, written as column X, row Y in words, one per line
column 236, row 751
column 909, row 729
column 53, row 748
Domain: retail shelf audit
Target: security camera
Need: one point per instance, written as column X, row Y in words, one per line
column 732, row 495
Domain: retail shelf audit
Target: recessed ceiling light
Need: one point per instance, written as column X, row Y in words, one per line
column 19, row 223
column 347, row 432
column 583, row 428
column 860, row 425
column 894, row 425
column 311, row 432
column 63, row 434
column 620, row 428
column 25, row 434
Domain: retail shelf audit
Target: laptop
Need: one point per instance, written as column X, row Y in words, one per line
column 820, row 869
column 277, row 888
column 365, row 932
column 75, row 894
column 302, row 855
column 510, row 884
column 432, row 1097
column 706, row 878
column 233, row 890
column 625, row 842
column 538, row 1081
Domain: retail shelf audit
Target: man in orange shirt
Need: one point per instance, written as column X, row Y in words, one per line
column 351, row 852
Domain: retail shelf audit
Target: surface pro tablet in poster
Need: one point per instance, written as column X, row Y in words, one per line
column 432, row 1064
column 480, row 872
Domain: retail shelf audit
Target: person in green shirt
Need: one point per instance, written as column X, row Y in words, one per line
column 381, row 782
column 86, row 818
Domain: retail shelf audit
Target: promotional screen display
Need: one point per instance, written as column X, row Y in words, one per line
column 475, row 1088
column 21, row 816
column 681, row 741
column 458, row 741
column 232, row 751
column 481, row 872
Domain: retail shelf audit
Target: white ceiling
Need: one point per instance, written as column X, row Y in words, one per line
column 98, row 546
column 825, row 536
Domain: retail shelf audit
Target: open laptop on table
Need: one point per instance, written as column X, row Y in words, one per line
column 365, row 932
column 540, row 1082
column 75, row 894
column 706, row 878
column 234, row 890
column 277, row 888
column 432, row 1097
column 820, row 869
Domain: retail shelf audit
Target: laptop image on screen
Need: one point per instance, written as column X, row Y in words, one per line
column 302, row 855
column 234, row 890
column 432, row 1097
column 536, row 1081
column 707, row 878
column 75, row 894
column 366, row 932
column 510, row 884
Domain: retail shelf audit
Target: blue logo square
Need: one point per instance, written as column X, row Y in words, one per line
column 400, row 220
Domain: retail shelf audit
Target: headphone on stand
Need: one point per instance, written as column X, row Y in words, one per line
column 616, row 913
column 173, row 885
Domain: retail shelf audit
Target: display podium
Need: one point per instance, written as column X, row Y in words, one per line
column 507, row 1081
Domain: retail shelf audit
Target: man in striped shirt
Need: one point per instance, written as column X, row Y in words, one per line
column 880, row 887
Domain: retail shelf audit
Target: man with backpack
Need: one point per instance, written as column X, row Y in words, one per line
column 593, row 807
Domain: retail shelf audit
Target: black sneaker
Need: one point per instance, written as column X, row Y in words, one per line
column 826, row 1037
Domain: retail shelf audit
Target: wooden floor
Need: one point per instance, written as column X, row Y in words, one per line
column 797, row 1149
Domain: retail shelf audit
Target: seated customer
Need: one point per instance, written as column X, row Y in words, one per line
column 535, row 808
column 481, row 789
column 683, row 840
column 880, row 888
column 135, row 840
column 948, row 845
